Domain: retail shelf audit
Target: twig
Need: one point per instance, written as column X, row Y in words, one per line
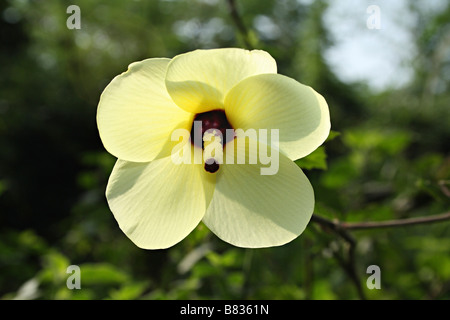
column 237, row 19
column 342, row 227
column 350, row 265
column 335, row 226
column 394, row 223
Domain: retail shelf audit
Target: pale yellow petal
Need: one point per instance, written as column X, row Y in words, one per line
column 136, row 115
column 199, row 80
column 159, row 203
column 273, row 101
column 252, row 210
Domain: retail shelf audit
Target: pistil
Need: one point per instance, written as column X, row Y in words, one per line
column 209, row 133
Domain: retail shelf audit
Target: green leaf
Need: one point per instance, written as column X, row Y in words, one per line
column 316, row 160
column 333, row 134
column 101, row 273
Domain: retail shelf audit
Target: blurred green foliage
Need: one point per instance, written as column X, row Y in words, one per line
column 387, row 159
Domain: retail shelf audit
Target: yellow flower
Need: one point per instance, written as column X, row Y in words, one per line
column 158, row 201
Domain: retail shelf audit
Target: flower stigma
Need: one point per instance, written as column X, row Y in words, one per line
column 211, row 165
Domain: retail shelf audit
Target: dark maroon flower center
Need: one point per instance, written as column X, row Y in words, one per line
column 207, row 122
column 215, row 119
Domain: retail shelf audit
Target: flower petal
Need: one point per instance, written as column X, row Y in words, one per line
column 253, row 210
column 274, row 101
column 199, row 80
column 157, row 204
column 136, row 115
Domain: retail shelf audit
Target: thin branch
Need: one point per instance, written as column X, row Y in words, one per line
column 394, row 223
column 349, row 266
column 342, row 227
column 334, row 226
column 237, row 19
